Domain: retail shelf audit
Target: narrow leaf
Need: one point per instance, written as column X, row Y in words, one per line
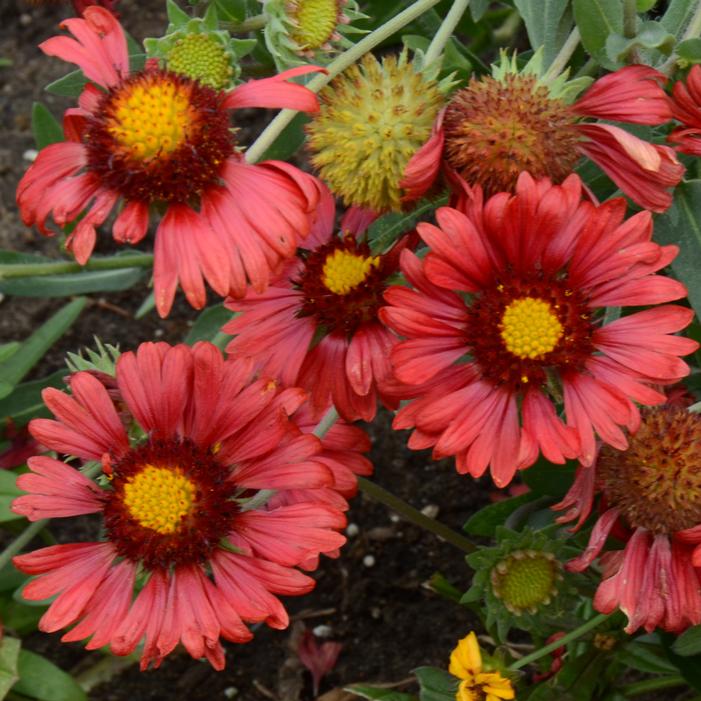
column 43, row 680
column 45, row 127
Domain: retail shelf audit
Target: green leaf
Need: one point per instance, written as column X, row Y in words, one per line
column 70, row 85
column 436, row 684
column 596, row 21
column 384, row 231
column 689, row 642
column 478, row 8
column 545, row 478
column 25, row 403
column 290, row 139
column 7, row 350
column 546, row 23
column 43, row 680
column 175, row 15
column 9, row 654
column 33, row 349
column 45, row 127
column 688, row 52
column 645, row 5
column 677, row 16
column 486, row 520
column 73, row 283
column 681, row 225
column 651, row 35
column 373, row 692
column 645, row 658
column 689, row 666
column 231, row 10
column 208, row 324
column 9, row 491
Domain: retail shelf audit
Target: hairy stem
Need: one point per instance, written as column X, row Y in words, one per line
column 21, row 540
column 630, row 18
column 565, row 54
column 380, row 494
column 445, row 31
column 250, row 24
column 347, row 58
column 564, row 640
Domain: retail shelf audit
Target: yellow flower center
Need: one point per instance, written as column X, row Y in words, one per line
column 152, row 117
column 344, row 271
column 203, row 58
column 530, row 328
column 373, row 118
column 159, row 498
column 316, row 22
column 526, row 580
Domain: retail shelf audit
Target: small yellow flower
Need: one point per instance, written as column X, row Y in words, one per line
column 475, row 684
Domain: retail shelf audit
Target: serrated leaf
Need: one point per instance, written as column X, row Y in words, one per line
column 45, row 127
column 379, row 694
column 9, row 656
column 33, row 349
column 681, row 225
column 436, row 684
column 486, row 520
column 544, row 24
column 71, row 85
column 689, row 642
column 596, row 21
column 73, row 283
column 43, row 680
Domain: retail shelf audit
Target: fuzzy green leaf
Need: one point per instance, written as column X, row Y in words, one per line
column 436, row 684
column 9, row 655
column 547, row 24
column 45, row 126
column 486, row 520
column 71, row 85
column 597, row 20
column 43, row 680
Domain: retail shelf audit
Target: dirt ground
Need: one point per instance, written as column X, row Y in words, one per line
column 373, row 599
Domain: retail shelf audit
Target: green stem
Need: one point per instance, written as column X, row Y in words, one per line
column 565, row 54
column 9, row 270
column 327, row 421
column 104, row 670
column 445, row 31
column 21, row 540
column 411, row 514
column 347, row 58
column 643, row 687
column 630, row 18
column 564, row 640
column 250, row 24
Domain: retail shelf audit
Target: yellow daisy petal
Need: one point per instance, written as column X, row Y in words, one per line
column 466, row 658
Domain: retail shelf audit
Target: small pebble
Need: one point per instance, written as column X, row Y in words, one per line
column 394, row 518
column 352, row 530
column 158, row 333
column 376, row 612
column 369, row 561
column 230, row 692
column 30, row 155
column 25, row 19
column 323, row 631
column 430, row 510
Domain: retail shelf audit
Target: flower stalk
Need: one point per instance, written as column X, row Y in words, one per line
column 7, row 271
column 393, row 502
column 347, row 58
column 560, row 642
column 445, row 31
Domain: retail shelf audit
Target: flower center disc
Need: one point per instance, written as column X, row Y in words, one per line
column 523, row 326
column 159, row 136
column 529, row 328
column 525, row 580
column 170, row 504
column 656, row 482
column 494, row 130
column 316, row 22
column 344, row 271
column 159, row 498
column 342, row 285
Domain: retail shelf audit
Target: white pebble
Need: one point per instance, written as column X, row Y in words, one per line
column 25, row 19
column 369, row 561
column 158, row 333
column 430, row 510
column 352, row 530
column 230, row 692
column 395, row 518
column 30, row 155
column 323, row 631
